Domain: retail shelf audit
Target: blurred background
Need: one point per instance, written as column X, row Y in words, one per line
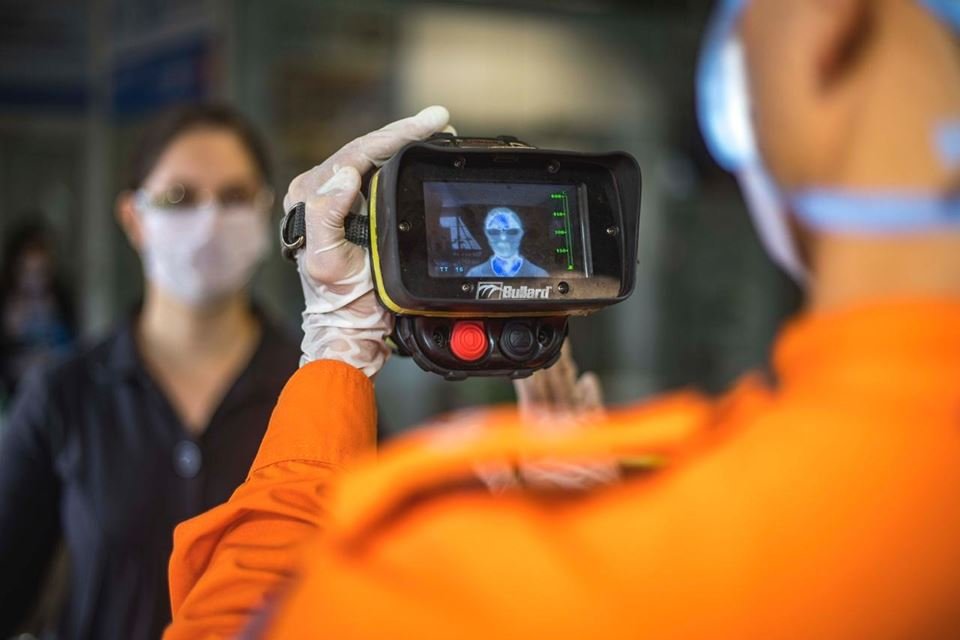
column 79, row 79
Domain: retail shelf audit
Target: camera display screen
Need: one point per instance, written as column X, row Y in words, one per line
column 503, row 230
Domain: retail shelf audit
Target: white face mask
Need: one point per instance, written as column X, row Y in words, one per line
column 204, row 253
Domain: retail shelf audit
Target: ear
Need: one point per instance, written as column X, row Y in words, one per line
column 825, row 36
column 843, row 33
column 802, row 57
column 126, row 213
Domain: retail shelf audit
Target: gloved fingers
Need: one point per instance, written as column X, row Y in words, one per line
column 531, row 393
column 498, row 477
column 557, row 393
column 359, row 205
column 550, row 474
column 589, row 393
column 417, row 127
column 376, row 147
column 561, row 382
column 328, row 207
column 366, row 152
column 327, row 256
column 551, row 400
column 547, row 475
column 308, row 188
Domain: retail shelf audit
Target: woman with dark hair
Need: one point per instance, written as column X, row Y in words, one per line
column 112, row 447
column 36, row 313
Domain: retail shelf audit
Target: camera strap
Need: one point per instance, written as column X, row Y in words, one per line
column 293, row 230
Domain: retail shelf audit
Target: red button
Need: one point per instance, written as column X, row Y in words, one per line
column 468, row 341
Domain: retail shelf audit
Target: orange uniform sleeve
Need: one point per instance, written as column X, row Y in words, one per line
column 228, row 562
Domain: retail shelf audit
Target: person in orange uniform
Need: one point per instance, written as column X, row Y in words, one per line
column 824, row 503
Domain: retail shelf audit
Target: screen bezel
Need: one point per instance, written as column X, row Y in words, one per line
column 405, row 223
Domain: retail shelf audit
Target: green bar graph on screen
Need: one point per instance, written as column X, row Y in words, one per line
column 568, row 235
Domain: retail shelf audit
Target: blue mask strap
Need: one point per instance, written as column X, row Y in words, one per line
column 879, row 213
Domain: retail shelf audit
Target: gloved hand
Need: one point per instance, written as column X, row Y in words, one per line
column 552, row 400
column 559, row 393
column 342, row 319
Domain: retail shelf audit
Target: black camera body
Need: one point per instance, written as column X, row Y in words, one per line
column 485, row 247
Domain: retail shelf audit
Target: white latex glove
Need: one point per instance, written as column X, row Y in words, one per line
column 558, row 395
column 342, row 319
column 550, row 401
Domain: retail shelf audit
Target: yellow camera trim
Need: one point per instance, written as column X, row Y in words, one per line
column 375, row 251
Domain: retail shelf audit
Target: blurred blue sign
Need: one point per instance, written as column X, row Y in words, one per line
column 174, row 74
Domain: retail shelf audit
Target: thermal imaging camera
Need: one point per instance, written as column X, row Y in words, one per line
column 485, row 247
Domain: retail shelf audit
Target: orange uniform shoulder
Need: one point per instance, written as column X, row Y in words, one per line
column 452, row 455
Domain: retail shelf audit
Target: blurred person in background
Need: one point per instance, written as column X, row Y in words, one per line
column 113, row 446
column 819, row 500
column 36, row 313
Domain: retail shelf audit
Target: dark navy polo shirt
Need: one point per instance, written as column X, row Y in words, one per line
column 92, row 453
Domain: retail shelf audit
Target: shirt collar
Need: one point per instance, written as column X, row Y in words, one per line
column 122, row 356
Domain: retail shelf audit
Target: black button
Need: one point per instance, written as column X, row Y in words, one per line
column 517, row 341
column 187, row 459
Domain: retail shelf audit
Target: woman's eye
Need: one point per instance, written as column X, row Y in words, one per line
column 177, row 197
column 236, row 197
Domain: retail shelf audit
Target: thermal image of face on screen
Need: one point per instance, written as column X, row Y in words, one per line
column 497, row 230
column 504, row 232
